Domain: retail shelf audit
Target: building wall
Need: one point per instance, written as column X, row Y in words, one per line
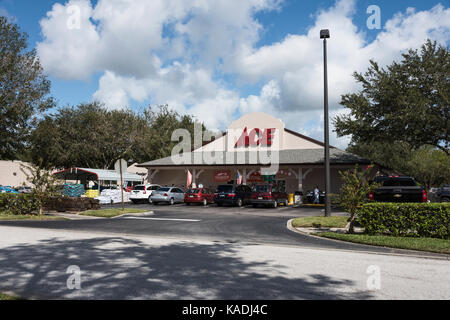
column 11, row 175
column 178, row 177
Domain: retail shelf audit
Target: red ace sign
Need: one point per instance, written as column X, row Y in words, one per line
column 255, row 138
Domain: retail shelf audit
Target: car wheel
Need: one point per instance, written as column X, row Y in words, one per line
column 219, row 204
column 188, row 203
column 134, row 201
column 150, row 200
column 255, row 205
column 239, row 203
column 155, row 203
column 172, row 202
column 445, row 200
column 275, row 204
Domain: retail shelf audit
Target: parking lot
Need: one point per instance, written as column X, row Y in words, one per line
column 281, row 211
column 245, row 225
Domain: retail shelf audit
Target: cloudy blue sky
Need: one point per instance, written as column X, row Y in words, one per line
column 219, row 59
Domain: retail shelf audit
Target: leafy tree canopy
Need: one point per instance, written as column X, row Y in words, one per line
column 92, row 136
column 406, row 102
column 24, row 90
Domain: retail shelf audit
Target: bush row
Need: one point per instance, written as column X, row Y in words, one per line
column 406, row 219
column 17, row 204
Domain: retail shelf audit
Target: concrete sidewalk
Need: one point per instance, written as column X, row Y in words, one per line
column 34, row 264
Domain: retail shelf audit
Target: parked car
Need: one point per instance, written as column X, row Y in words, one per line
column 170, row 195
column 143, row 192
column 26, row 190
column 310, row 197
column 398, row 189
column 129, row 188
column 236, row 195
column 199, row 195
column 443, row 193
column 267, row 194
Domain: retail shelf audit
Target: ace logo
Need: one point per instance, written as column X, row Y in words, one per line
column 255, row 138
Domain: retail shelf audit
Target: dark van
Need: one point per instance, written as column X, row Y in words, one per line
column 236, row 195
column 269, row 195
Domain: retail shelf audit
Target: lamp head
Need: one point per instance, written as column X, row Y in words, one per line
column 324, row 34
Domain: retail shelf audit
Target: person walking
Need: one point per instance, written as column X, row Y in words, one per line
column 316, row 195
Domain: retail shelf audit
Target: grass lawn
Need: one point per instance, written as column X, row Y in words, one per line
column 324, row 222
column 7, row 297
column 28, row 217
column 421, row 244
column 110, row 213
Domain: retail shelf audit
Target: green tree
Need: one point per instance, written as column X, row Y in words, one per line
column 430, row 167
column 389, row 155
column 92, row 136
column 24, row 90
column 162, row 122
column 354, row 191
column 406, row 102
column 88, row 135
column 43, row 183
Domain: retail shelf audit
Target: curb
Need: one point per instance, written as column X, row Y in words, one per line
column 77, row 217
column 396, row 251
column 142, row 214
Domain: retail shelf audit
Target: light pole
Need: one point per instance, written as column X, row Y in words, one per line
column 325, row 34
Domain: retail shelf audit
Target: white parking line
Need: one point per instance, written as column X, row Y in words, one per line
column 163, row 219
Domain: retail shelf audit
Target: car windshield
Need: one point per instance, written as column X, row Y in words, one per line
column 261, row 188
column 139, row 188
column 194, row 191
column 225, row 189
column 399, row 182
column 164, row 189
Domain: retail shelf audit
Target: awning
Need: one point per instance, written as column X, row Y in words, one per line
column 95, row 175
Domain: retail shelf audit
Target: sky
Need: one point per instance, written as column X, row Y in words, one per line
column 220, row 59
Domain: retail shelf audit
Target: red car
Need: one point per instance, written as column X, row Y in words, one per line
column 266, row 194
column 199, row 195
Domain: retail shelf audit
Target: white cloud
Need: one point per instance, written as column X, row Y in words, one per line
column 177, row 52
column 294, row 66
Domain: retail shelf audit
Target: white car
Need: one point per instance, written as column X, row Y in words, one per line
column 143, row 192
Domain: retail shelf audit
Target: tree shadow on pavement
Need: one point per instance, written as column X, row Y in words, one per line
column 118, row 268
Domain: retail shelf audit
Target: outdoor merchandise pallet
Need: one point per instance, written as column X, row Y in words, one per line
column 72, row 204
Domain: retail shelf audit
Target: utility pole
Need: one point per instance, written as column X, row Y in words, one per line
column 325, row 34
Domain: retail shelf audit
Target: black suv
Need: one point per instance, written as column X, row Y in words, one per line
column 444, row 193
column 236, row 195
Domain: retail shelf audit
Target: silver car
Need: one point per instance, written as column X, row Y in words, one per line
column 170, row 195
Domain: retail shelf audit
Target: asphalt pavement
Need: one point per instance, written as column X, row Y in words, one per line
column 246, row 225
column 59, row 264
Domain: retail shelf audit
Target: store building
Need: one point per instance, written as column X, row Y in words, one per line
column 11, row 173
column 255, row 148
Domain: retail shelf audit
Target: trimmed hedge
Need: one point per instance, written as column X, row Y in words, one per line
column 406, row 219
column 17, row 204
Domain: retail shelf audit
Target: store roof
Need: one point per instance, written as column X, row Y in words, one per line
column 285, row 157
column 96, row 174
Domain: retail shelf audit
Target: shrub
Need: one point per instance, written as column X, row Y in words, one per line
column 18, row 204
column 406, row 219
column 354, row 191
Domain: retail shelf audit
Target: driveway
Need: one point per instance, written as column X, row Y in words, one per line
column 34, row 264
column 226, row 224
